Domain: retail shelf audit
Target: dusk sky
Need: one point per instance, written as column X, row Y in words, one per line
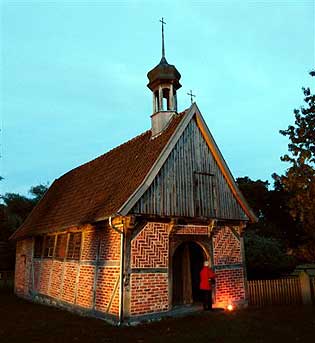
column 73, row 78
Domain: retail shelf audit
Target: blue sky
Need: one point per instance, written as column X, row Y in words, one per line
column 73, row 78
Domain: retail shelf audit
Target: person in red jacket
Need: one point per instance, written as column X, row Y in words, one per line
column 207, row 276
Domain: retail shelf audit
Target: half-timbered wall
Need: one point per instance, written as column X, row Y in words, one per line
column 90, row 282
column 149, row 270
column 152, row 251
column 190, row 183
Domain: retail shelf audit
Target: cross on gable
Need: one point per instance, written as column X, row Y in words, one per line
column 191, row 96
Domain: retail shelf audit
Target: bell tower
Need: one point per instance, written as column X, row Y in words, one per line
column 164, row 83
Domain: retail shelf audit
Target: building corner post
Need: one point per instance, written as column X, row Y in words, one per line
column 120, row 229
column 243, row 254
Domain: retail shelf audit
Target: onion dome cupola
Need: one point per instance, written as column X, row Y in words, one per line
column 164, row 83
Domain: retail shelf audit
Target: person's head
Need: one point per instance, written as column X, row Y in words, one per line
column 206, row 263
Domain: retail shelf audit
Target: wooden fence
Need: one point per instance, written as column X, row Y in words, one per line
column 286, row 291
column 6, row 280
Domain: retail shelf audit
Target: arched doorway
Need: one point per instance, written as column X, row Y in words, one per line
column 187, row 263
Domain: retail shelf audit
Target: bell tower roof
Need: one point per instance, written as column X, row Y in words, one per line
column 164, row 73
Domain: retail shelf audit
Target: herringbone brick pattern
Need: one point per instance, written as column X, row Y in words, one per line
column 192, row 230
column 226, row 247
column 150, row 248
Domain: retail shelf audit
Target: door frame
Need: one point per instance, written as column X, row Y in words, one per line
column 204, row 243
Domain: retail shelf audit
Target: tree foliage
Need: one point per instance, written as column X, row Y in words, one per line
column 266, row 257
column 271, row 209
column 256, row 194
column 268, row 241
column 299, row 179
column 15, row 208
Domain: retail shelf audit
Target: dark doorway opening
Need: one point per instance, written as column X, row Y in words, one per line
column 187, row 263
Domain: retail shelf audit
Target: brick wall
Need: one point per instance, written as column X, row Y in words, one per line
column 107, row 282
column 230, row 287
column 226, row 247
column 73, row 281
column 192, row 230
column 227, row 258
column 150, row 248
column 93, row 282
column 91, row 239
column 149, row 293
column 149, row 289
column 85, row 291
column 56, row 279
column 68, row 294
column 110, row 245
column 44, row 276
column 23, row 264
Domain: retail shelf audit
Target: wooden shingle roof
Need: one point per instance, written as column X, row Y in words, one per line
column 97, row 189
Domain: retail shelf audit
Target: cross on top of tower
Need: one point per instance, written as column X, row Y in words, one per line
column 191, row 96
column 163, row 48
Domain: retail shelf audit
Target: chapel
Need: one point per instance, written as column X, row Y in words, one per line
column 124, row 236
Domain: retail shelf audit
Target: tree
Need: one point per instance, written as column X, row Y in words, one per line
column 268, row 241
column 38, row 192
column 266, row 257
column 299, row 179
column 256, row 194
column 271, row 209
column 15, row 208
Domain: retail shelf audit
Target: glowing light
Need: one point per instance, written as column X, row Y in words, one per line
column 230, row 307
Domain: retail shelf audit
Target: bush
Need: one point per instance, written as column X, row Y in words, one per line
column 266, row 257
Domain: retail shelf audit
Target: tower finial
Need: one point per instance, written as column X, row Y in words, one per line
column 163, row 48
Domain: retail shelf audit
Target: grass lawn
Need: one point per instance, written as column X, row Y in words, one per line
column 21, row 321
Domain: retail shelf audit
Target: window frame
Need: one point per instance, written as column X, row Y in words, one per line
column 38, row 246
column 74, row 251
column 51, row 240
column 63, row 239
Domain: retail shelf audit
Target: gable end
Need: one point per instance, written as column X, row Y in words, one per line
column 190, row 183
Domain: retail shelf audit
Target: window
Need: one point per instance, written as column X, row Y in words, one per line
column 38, row 246
column 156, row 102
column 166, row 99
column 61, row 246
column 74, row 246
column 49, row 246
